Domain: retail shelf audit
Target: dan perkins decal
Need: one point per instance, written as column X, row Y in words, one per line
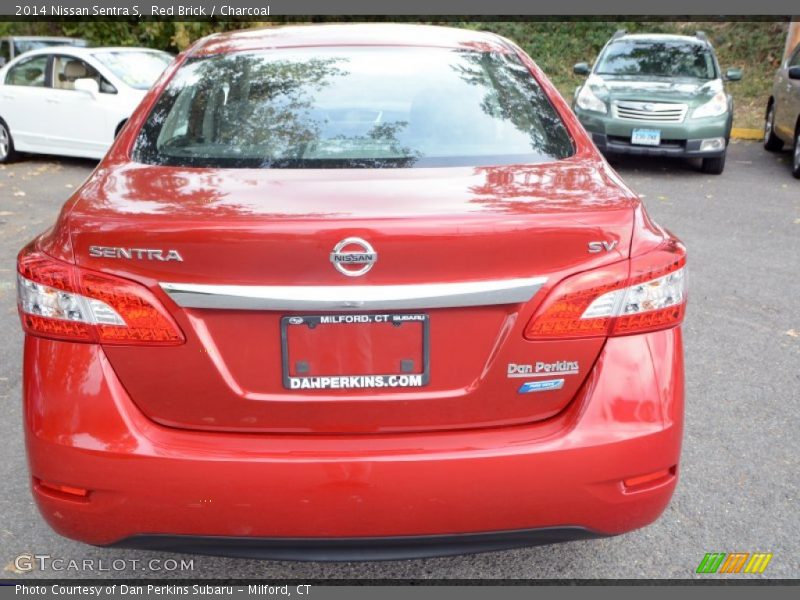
column 544, row 369
column 541, row 386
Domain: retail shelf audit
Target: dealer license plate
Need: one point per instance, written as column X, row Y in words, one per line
column 352, row 351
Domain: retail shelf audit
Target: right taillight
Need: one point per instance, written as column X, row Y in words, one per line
column 61, row 301
column 646, row 293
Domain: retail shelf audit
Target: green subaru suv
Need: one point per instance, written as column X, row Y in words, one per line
column 658, row 95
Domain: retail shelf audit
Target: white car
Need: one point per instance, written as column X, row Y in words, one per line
column 72, row 101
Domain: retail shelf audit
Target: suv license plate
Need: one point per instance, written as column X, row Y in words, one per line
column 646, row 137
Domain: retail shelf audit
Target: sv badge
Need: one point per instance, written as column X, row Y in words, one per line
column 595, row 247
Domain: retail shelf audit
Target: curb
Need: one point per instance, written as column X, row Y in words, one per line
column 743, row 133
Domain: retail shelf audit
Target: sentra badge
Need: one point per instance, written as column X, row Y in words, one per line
column 134, row 253
column 544, row 369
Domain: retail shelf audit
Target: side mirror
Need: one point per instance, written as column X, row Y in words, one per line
column 794, row 72
column 581, row 68
column 733, row 74
column 88, row 86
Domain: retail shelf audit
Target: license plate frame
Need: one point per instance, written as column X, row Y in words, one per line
column 295, row 383
column 646, row 137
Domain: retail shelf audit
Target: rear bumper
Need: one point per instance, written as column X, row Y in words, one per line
column 678, row 149
column 363, row 548
column 279, row 495
column 613, row 136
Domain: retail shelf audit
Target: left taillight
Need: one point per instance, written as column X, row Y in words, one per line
column 61, row 301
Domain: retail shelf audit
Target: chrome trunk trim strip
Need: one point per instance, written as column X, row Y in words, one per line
column 354, row 297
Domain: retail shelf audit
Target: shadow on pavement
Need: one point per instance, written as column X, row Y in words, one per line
column 655, row 165
column 22, row 159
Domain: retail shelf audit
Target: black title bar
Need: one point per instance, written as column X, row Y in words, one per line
column 266, row 9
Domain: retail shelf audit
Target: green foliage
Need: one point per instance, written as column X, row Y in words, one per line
column 756, row 46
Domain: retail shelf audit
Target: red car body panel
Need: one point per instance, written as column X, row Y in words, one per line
column 202, row 438
column 83, row 430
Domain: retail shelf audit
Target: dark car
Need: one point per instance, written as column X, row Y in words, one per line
column 782, row 121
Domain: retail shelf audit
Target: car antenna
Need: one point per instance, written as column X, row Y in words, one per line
column 701, row 35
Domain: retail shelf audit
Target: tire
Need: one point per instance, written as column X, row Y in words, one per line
column 714, row 166
column 7, row 153
column 771, row 141
column 796, row 154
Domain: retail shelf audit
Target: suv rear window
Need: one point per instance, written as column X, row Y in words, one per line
column 649, row 58
column 352, row 107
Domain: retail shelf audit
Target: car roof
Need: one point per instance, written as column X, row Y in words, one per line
column 40, row 37
column 83, row 52
column 661, row 37
column 356, row 34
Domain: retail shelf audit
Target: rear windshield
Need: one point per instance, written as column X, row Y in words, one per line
column 657, row 59
column 352, row 107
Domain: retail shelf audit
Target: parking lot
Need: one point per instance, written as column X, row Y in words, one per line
column 740, row 473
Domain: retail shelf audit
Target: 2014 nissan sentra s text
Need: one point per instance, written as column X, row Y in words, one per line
column 358, row 291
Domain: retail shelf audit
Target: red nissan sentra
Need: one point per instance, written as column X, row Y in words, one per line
column 352, row 292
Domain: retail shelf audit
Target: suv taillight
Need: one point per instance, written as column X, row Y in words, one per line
column 61, row 301
column 645, row 293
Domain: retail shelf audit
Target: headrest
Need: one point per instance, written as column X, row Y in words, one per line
column 75, row 69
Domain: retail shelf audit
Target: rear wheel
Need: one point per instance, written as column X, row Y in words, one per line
column 7, row 153
column 771, row 141
column 796, row 154
column 714, row 166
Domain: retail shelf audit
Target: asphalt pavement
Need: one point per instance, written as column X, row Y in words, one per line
column 739, row 482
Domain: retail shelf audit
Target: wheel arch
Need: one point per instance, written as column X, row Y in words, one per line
column 11, row 152
column 770, row 102
column 120, row 125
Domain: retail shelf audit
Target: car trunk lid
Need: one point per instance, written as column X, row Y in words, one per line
column 463, row 257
